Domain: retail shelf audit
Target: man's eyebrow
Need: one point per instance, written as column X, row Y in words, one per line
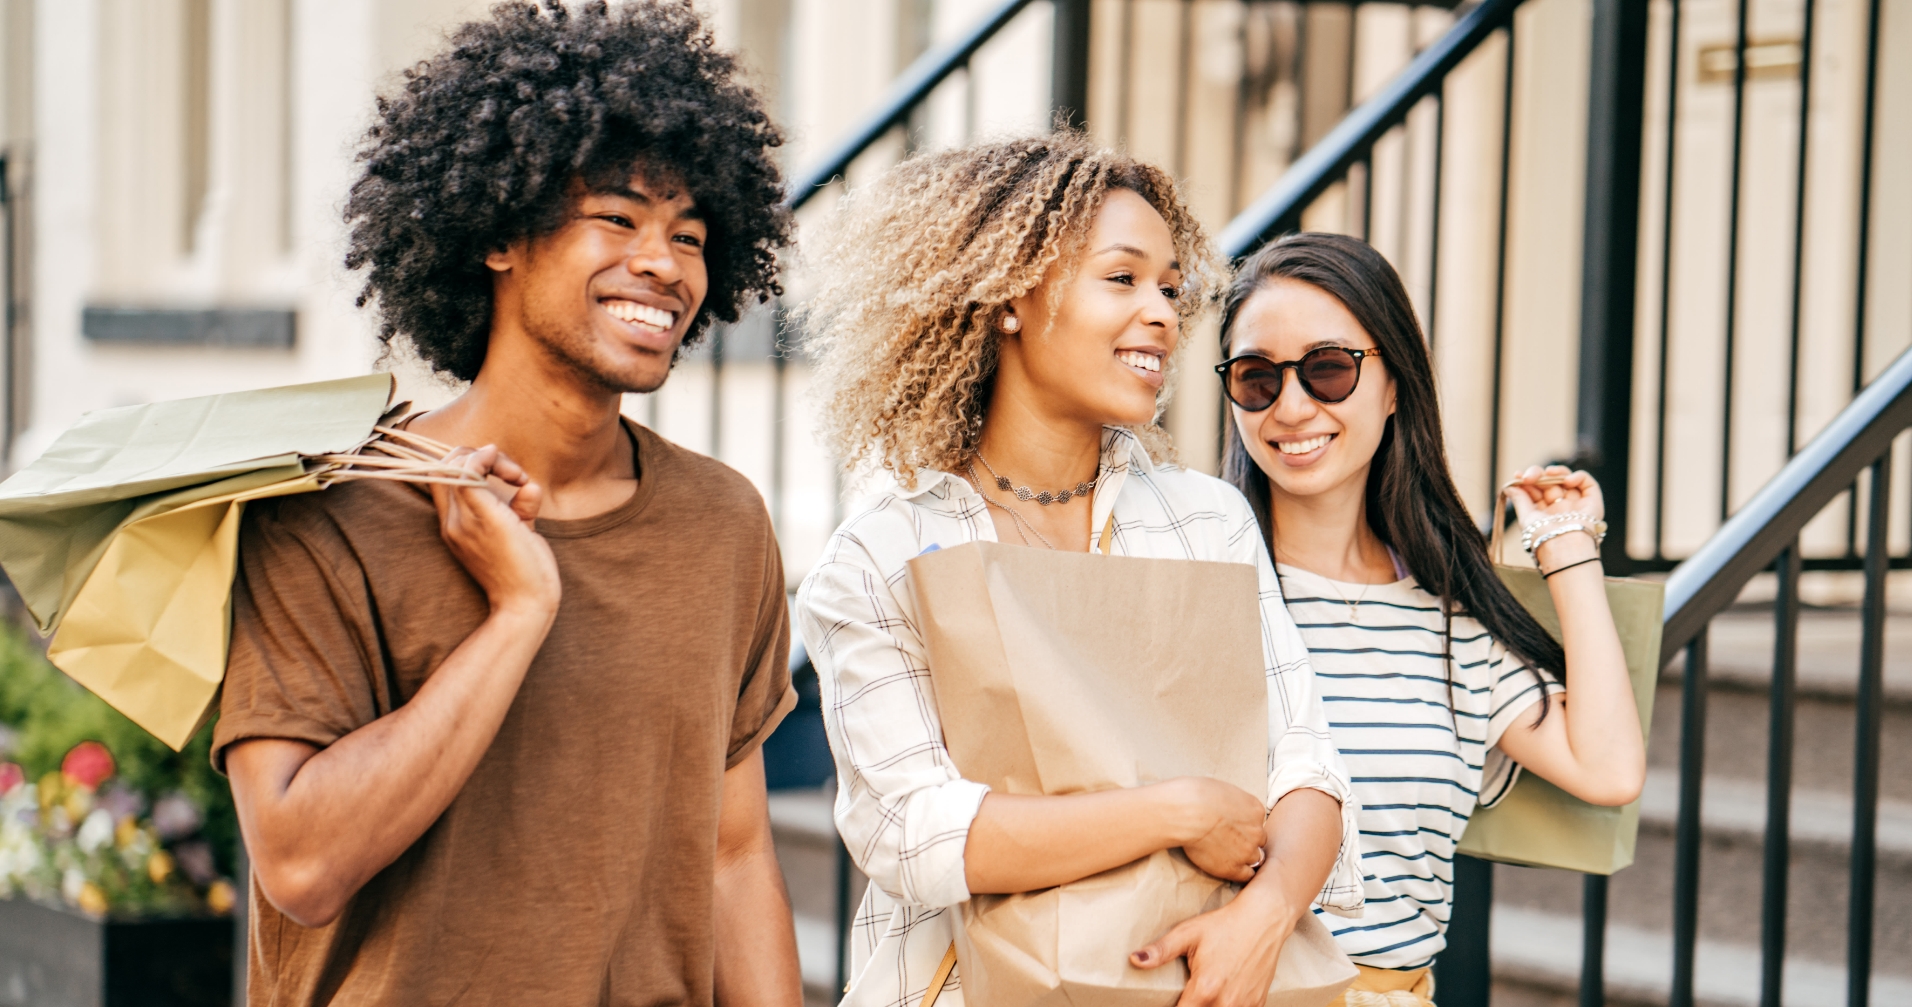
column 690, row 211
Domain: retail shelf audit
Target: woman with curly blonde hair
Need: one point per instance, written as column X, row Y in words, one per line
column 993, row 327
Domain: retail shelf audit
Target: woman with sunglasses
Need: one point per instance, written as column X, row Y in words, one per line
column 990, row 330
column 1439, row 686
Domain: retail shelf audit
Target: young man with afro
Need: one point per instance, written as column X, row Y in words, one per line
column 503, row 748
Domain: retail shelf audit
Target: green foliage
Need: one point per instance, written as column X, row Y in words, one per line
column 48, row 713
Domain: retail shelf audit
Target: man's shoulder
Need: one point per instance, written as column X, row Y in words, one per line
column 345, row 509
column 697, row 480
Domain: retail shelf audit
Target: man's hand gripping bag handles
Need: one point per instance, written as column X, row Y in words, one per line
column 1538, row 824
column 1060, row 673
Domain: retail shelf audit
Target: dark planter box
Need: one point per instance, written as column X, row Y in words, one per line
column 53, row 958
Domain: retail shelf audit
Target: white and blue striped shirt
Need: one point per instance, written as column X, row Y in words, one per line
column 1419, row 749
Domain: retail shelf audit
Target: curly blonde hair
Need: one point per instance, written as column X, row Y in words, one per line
column 914, row 273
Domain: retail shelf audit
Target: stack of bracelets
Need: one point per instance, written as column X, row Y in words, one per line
column 1548, row 527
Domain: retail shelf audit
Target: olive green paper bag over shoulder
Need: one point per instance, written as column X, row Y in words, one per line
column 1537, row 824
column 123, row 538
column 1061, row 673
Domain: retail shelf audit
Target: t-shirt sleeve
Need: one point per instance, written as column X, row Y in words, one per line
column 765, row 695
column 1513, row 690
column 301, row 663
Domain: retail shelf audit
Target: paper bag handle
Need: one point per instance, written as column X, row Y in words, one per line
column 1500, row 512
column 941, row 977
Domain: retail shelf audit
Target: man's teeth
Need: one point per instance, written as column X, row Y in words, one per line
column 631, row 311
column 1144, row 361
column 1303, row 447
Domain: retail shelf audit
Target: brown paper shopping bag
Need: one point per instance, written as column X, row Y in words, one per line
column 1060, row 673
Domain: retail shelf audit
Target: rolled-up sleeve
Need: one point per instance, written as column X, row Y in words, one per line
column 902, row 808
column 1301, row 750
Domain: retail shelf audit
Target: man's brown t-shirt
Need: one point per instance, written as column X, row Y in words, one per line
column 577, row 864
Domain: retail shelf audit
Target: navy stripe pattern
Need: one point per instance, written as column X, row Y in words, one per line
column 1419, row 742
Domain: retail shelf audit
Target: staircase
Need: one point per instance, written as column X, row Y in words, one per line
column 1537, row 913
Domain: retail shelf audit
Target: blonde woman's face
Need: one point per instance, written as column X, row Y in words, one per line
column 1305, row 446
column 1100, row 357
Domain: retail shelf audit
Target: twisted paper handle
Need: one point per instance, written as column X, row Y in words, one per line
column 397, row 455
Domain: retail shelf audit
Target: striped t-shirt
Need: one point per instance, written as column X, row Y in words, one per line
column 1421, row 761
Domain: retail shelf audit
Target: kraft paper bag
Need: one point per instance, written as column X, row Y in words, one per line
column 1061, row 673
column 57, row 514
column 148, row 630
column 1537, row 824
column 123, row 538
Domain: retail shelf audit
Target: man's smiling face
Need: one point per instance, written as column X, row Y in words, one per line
column 613, row 291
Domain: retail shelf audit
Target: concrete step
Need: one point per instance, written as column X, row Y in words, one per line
column 1541, row 949
column 1740, row 650
column 1737, row 808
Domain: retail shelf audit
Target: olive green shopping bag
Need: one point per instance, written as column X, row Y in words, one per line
column 122, row 538
column 1537, row 824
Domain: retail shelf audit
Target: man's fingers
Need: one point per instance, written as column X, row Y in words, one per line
column 1166, row 948
column 527, row 500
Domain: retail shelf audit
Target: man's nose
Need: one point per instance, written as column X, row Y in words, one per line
column 651, row 255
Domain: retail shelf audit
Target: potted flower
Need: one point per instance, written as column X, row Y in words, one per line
column 116, row 853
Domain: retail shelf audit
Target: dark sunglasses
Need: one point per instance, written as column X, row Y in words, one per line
column 1328, row 374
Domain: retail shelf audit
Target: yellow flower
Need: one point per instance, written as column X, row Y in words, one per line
column 50, row 786
column 159, row 866
column 92, row 900
column 220, row 897
column 125, row 832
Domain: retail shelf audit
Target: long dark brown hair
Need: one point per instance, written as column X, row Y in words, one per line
column 1412, row 504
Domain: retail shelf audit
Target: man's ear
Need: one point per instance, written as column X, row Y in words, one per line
column 502, row 260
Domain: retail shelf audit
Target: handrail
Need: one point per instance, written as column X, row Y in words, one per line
column 909, row 89
column 1280, row 207
column 1747, row 543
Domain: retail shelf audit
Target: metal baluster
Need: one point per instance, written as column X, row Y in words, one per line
column 844, row 914
column 1464, row 972
column 1367, row 196
column 1779, row 764
column 1732, row 264
column 1434, row 239
column 1865, row 762
column 1593, row 941
column 1799, row 230
column 1500, row 270
column 1689, row 833
column 1666, row 281
column 1867, row 132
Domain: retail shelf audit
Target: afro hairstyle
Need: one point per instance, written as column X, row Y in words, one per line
column 486, row 141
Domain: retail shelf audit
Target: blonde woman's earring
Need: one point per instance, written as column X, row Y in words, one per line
column 1010, row 323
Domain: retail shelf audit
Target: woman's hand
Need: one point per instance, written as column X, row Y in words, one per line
column 1232, row 952
column 1221, row 826
column 1567, row 492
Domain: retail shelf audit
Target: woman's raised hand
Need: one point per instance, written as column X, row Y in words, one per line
column 1555, row 489
column 1221, row 826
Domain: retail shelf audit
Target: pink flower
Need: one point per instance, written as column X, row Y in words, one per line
column 11, row 776
column 88, row 765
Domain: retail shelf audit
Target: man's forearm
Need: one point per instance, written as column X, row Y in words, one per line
column 756, row 942
column 319, row 823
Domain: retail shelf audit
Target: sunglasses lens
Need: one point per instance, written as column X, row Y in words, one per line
column 1253, row 383
column 1330, row 374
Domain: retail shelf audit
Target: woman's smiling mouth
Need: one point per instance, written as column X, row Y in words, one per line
column 1146, row 364
column 1305, row 446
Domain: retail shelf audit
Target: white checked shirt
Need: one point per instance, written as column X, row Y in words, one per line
column 902, row 807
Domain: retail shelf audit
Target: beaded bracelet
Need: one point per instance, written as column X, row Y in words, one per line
column 1527, row 533
column 1567, row 530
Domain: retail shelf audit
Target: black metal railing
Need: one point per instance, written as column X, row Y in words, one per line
column 1762, row 532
